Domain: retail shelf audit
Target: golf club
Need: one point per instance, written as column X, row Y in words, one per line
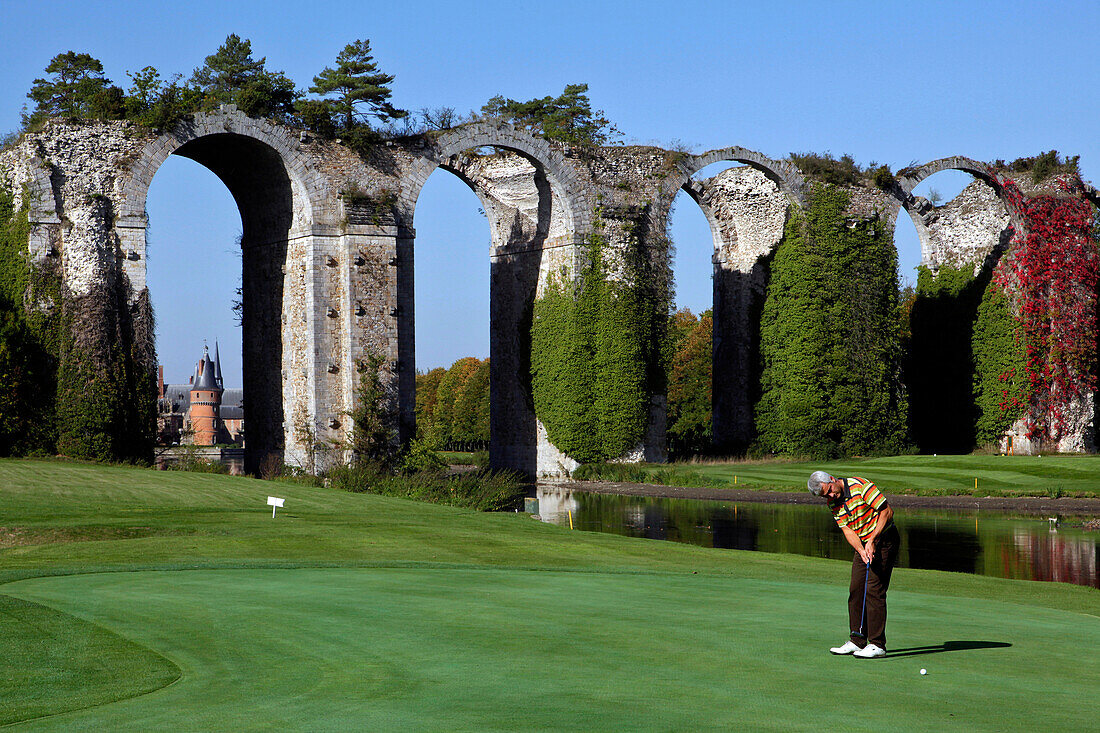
column 863, row 612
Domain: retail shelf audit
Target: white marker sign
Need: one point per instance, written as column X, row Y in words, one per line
column 275, row 503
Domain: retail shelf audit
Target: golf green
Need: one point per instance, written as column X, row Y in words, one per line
column 466, row 648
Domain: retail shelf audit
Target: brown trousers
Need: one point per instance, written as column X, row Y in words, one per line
column 868, row 624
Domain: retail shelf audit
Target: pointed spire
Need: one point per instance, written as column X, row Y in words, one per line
column 218, row 366
column 207, row 373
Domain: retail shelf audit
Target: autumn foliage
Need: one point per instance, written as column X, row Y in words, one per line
column 1051, row 273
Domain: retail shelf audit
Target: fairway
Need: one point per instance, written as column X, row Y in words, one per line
column 140, row 600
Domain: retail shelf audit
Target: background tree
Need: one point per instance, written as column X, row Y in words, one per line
column 689, row 383
column 356, row 87
column 427, row 388
column 470, row 425
column 231, row 75
column 75, row 79
column 228, row 70
column 567, row 118
column 452, row 405
column 441, row 433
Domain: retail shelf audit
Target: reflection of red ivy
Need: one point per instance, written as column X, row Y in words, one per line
column 1052, row 271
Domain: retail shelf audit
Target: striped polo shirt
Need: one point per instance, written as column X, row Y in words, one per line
column 859, row 512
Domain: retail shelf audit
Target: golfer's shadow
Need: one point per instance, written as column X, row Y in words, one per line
column 947, row 646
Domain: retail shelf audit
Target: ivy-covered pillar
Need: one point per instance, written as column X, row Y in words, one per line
column 106, row 391
column 598, row 361
column 830, row 341
column 1048, row 280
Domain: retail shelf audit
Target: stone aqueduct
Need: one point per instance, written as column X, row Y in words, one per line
column 328, row 251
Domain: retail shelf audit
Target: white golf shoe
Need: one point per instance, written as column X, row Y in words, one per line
column 870, row 652
column 848, row 648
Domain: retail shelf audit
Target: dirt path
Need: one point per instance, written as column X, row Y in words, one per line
column 1023, row 505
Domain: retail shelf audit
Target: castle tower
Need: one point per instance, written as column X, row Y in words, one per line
column 206, row 399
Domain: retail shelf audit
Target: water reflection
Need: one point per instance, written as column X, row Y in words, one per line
column 987, row 543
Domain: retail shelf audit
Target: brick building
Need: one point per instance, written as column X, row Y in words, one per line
column 201, row 412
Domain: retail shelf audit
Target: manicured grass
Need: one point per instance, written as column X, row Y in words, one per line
column 1057, row 475
column 355, row 611
column 54, row 662
column 457, row 457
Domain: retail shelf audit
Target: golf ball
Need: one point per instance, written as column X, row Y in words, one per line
column 924, row 671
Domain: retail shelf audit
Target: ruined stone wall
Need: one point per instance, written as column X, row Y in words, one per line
column 329, row 252
column 747, row 213
column 965, row 230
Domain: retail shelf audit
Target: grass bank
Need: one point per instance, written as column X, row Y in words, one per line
column 1000, row 476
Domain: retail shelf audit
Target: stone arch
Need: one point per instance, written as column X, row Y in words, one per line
column 279, row 195
column 782, row 172
column 42, row 210
column 41, row 204
column 739, row 278
column 226, row 123
column 698, row 194
column 555, row 214
column 909, row 178
column 567, row 188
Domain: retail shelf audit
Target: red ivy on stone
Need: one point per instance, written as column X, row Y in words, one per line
column 1052, row 270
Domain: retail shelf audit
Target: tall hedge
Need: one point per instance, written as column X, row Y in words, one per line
column 830, row 337
column 596, row 355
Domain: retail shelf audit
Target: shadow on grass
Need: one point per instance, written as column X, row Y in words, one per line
column 947, row 646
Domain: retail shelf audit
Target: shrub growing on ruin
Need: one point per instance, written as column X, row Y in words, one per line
column 830, row 338
column 596, row 356
column 74, row 81
column 356, row 89
column 372, row 437
column 567, row 118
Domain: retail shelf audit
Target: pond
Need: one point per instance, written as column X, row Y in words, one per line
column 967, row 541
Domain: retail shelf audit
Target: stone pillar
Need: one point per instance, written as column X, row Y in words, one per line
column 738, row 297
column 513, row 278
column 269, row 285
column 380, row 310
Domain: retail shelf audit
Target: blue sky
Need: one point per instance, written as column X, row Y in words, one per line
column 883, row 81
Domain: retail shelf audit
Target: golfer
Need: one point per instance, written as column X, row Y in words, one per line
column 867, row 521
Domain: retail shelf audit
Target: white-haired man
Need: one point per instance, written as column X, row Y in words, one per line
column 867, row 521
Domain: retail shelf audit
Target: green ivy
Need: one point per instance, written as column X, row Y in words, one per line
column 1000, row 381
column 830, row 337
column 28, row 340
column 106, row 388
column 596, row 356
